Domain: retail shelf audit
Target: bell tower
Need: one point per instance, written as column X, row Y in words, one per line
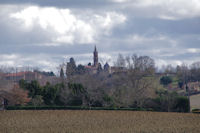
column 95, row 53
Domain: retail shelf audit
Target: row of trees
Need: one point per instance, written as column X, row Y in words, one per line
column 184, row 72
column 136, row 86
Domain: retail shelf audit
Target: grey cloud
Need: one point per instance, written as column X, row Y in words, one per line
column 12, row 34
column 61, row 3
column 179, row 35
column 151, row 26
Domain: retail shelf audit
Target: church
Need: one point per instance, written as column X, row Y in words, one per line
column 96, row 66
column 92, row 68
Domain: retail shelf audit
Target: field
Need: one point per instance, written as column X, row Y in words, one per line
column 195, row 101
column 61, row 121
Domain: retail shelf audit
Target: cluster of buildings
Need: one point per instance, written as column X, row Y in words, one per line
column 29, row 76
column 92, row 68
column 96, row 67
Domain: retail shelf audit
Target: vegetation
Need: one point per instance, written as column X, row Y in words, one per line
column 195, row 110
column 77, row 121
column 48, row 94
column 133, row 83
column 72, row 108
column 15, row 96
column 166, row 80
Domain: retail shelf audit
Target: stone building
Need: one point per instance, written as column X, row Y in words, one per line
column 27, row 75
column 92, row 68
column 96, row 66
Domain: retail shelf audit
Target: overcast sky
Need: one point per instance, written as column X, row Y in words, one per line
column 45, row 33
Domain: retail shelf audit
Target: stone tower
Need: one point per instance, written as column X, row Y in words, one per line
column 95, row 57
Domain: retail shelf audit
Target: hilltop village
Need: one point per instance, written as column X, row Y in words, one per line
column 91, row 68
column 132, row 82
column 71, row 68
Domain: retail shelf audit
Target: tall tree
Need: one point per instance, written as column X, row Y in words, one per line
column 80, row 69
column 99, row 69
column 61, row 73
column 195, row 71
column 120, row 61
column 71, row 67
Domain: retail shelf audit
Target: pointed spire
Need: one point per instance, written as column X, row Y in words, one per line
column 95, row 57
column 95, row 49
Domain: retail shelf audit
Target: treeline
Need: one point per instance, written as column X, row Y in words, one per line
column 184, row 72
column 55, row 96
column 137, row 86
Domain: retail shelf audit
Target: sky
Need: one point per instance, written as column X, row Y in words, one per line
column 44, row 33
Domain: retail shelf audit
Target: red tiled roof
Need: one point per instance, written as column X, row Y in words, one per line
column 17, row 74
column 88, row 66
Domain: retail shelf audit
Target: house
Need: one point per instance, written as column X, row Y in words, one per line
column 27, row 75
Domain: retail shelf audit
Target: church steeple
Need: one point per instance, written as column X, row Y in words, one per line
column 95, row 56
column 95, row 49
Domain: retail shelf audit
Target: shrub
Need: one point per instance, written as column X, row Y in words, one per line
column 72, row 108
column 75, row 101
column 165, row 80
column 181, row 104
column 169, row 103
column 97, row 103
column 195, row 110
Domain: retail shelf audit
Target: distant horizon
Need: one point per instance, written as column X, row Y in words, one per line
column 110, row 62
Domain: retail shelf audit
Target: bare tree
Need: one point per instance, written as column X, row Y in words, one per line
column 120, row 61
